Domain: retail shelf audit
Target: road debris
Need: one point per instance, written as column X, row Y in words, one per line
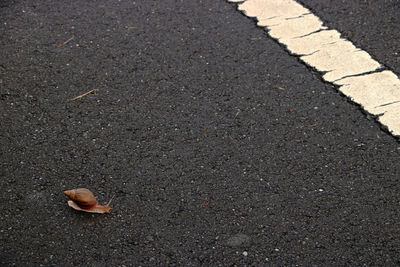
column 82, row 95
column 313, row 125
column 205, row 200
column 237, row 113
column 66, row 42
column 274, row 86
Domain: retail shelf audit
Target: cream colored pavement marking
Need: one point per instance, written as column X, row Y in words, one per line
column 279, row 9
column 382, row 87
column 311, row 43
column 340, row 62
column 292, row 28
column 358, row 75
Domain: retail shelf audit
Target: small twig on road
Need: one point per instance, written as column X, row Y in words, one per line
column 237, row 113
column 274, row 86
column 66, row 42
column 312, row 125
column 82, row 95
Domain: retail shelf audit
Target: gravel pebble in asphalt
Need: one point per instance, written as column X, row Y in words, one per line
column 238, row 240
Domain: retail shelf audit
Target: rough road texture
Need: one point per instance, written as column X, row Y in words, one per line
column 221, row 149
column 372, row 25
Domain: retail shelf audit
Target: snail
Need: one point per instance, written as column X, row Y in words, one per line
column 83, row 199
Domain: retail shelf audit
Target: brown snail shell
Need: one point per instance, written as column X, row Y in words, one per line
column 83, row 199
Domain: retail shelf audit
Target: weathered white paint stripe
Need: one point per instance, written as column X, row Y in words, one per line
column 292, row 28
column 378, row 93
column 341, row 63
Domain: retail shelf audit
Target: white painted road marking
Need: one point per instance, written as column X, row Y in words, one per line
column 358, row 76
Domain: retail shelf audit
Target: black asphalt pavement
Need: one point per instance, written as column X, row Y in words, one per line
column 221, row 149
column 373, row 25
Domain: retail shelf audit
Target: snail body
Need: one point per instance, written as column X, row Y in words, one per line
column 83, row 199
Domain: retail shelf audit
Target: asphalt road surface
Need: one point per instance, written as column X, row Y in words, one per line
column 372, row 25
column 221, row 149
